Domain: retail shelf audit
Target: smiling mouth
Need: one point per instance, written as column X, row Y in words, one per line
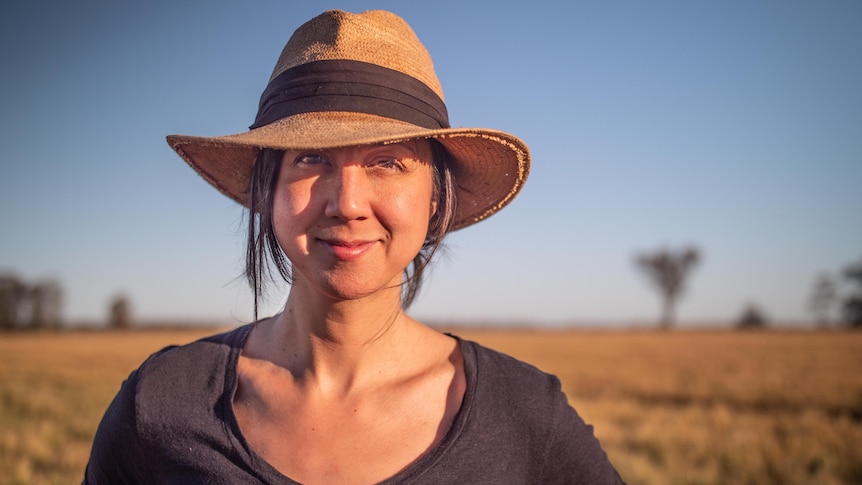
column 347, row 250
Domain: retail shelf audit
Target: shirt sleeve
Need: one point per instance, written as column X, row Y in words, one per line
column 117, row 456
column 575, row 455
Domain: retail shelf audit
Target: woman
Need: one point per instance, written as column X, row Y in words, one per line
column 352, row 176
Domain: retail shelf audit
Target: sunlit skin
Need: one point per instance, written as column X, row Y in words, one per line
column 343, row 386
column 351, row 219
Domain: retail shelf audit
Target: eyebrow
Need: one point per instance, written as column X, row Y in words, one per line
column 402, row 144
column 413, row 146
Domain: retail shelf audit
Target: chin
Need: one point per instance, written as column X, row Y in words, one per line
column 352, row 288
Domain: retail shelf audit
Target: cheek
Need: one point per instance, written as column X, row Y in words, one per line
column 288, row 208
column 287, row 203
column 413, row 210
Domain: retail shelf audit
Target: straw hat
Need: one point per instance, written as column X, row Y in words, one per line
column 353, row 79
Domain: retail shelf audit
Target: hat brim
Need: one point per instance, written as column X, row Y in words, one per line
column 489, row 166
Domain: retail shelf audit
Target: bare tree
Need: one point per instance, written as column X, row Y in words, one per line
column 667, row 270
column 46, row 304
column 823, row 296
column 13, row 296
column 852, row 307
column 29, row 306
column 120, row 312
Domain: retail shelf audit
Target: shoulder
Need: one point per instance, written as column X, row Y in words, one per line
column 501, row 374
column 208, row 349
column 176, row 361
column 178, row 379
column 509, row 398
column 167, row 409
column 176, row 372
column 523, row 411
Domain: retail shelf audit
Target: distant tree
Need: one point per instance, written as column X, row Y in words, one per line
column 752, row 317
column 13, row 297
column 852, row 307
column 46, row 304
column 824, row 294
column 120, row 312
column 667, row 270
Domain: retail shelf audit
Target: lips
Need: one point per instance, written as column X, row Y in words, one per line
column 347, row 250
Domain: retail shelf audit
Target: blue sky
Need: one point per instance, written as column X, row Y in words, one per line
column 732, row 126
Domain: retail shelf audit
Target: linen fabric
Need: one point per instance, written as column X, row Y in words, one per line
column 173, row 422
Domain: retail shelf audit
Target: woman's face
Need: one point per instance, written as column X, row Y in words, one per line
column 351, row 219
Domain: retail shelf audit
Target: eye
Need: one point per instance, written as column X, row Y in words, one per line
column 389, row 163
column 310, row 160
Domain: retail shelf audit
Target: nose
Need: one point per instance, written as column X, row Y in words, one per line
column 348, row 194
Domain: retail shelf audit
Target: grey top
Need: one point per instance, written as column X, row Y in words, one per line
column 173, row 422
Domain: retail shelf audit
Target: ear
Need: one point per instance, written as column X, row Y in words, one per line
column 433, row 209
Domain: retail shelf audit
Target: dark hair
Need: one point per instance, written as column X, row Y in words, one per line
column 263, row 251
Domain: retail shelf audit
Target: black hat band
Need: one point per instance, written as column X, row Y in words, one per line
column 352, row 86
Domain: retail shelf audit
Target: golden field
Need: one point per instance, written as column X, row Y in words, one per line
column 678, row 407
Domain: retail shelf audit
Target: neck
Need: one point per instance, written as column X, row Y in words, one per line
column 340, row 346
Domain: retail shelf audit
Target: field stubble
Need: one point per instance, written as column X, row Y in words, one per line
column 685, row 407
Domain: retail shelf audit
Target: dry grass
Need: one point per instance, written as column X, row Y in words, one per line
column 688, row 407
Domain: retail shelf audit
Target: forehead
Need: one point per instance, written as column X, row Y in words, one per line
column 419, row 146
column 419, row 149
